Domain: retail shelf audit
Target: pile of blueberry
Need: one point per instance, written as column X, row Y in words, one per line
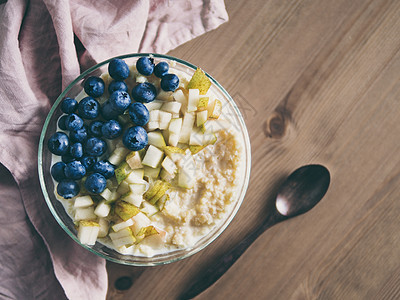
column 89, row 124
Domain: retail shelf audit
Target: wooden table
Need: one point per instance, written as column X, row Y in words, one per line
column 318, row 81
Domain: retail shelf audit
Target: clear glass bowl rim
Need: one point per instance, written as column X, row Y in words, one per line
column 170, row 256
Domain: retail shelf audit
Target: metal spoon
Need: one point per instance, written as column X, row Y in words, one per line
column 299, row 193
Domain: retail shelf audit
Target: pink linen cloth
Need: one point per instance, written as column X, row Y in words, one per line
column 39, row 56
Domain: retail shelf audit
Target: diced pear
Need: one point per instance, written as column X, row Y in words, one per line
column 193, row 100
column 135, row 199
column 187, row 172
column 150, row 126
column 165, row 118
column 83, row 201
column 150, row 172
column 187, row 126
column 156, row 104
column 147, row 231
column 88, row 232
column 123, row 188
column 153, row 157
column 155, row 240
column 125, row 210
column 195, row 148
column 106, row 194
column 121, row 225
column 173, row 107
column 165, row 176
column 216, row 110
column 169, row 165
column 173, row 139
column 118, row 155
column 196, row 138
column 161, row 203
column 153, row 189
column 133, row 160
column 161, row 192
column 203, row 103
column 141, row 78
column 213, row 126
column 180, row 97
column 86, row 213
column 102, row 209
column 148, row 209
column 122, row 172
column 165, row 95
column 138, row 188
column 156, row 139
column 139, row 221
column 199, row 81
column 175, row 153
column 135, row 176
column 104, row 227
column 209, row 138
column 175, row 126
column 122, row 238
column 154, row 115
column 201, row 117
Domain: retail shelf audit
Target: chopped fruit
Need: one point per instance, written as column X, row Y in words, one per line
column 139, row 221
column 196, row 138
column 201, row 117
column 169, row 165
column 165, row 118
column 174, row 153
column 104, row 227
column 122, row 172
column 102, row 209
column 121, row 225
column 175, row 126
column 187, row 172
column 187, row 126
column 86, row 213
column 88, row 232
column 161, row 192
column 122, row 238
column 156, row 139
column 152, row 191
column 154, row 105
column 180, row 97
column 203, row 103
column 125, row 210
column 138, row 188
column 133, row 160
column 83, row 201
column 156, row 240
column 149, row 209
column 195, row 148
column 164, row 175
column 150, row 172
column 199, row 81
column 136, row 176
column 213, row 126
column 118, row 155
column 153, row 157
column 146, row 231
column 216, row 109
column 173, row 139
column 161, row 203
column 172, row 107
column 193, row 100
column 123, row 188
column 132, row 198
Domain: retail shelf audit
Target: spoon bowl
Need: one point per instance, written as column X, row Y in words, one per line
column 299, row 193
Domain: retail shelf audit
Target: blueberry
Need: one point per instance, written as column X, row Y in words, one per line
column 135, row 138
column 79, row 135
column 95, row 147
column 68, row 188
column 76, row 150
column 111, row 129
column 144, row 92
column 95, row 128
column 139, row 114
column 73, row 122
column 95, row 183
column 118, row 69
column 58, row 143
column 108, row 111
column 120, row 101
column 104, row 168
column 88, row 108
column 169, row 82
column 161, row 69
column 88, row 162
column 75, row 170
column 67, row 158
column 69, row 105
column 117, row 86
column 57, row 171
column 94, row 86
column 61, row 122
column 145, row 65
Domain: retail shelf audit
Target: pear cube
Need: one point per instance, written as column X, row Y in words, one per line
column 88, row 232
column 153, row 157
column 156, row 139
column 193, row 100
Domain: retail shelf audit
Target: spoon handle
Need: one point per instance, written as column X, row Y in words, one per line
column 215, row 271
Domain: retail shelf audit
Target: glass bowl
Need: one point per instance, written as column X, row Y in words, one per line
column 230, row 111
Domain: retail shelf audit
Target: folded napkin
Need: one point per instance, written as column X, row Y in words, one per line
column 44, row 44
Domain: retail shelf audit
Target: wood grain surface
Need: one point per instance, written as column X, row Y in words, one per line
column 317, row 81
